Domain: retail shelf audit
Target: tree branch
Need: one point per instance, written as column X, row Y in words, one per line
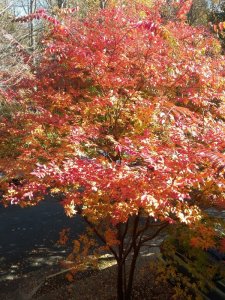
column 154, row 235
column 99, row 235
column 134, row 237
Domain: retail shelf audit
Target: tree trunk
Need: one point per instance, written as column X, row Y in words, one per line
column 124, row 292
column 131, row 274
column 120, row 280
column 32, row 7
column 103, row 4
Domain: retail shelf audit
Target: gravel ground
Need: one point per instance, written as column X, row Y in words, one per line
column 88, row 285
column 101, row 286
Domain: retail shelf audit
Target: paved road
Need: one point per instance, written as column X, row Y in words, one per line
column 28, row 237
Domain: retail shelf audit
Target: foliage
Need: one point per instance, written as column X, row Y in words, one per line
column 124, row 117
column 181, row 284
column 192, row 266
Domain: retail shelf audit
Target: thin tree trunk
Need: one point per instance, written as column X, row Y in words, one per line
column 103, row 4
column 131, row 274
column 136, row 249
column 120, row 263
column 120, row 280
column 32, row 8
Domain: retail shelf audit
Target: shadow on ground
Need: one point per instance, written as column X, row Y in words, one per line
column 28, row 239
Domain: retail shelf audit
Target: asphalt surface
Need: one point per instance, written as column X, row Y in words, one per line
column 28, row 237
column 28, row 241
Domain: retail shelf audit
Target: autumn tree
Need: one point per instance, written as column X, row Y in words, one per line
column 124, row 117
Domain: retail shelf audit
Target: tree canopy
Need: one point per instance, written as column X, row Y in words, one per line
column 124, row 117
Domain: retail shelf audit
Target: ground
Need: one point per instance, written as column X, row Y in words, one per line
column 29, row 240
column 29, row 253
column 91, row 284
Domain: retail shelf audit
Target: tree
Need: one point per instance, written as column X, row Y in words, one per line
column 124, row 118
column 199, row 12
column 12, row 49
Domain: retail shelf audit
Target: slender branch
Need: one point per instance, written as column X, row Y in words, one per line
column 126, row 228
column 99, row 235
column 6, row 8
column 145, row 226
column 154, row 235
column 151, row 245
column 134, row 237
column 158, row 224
